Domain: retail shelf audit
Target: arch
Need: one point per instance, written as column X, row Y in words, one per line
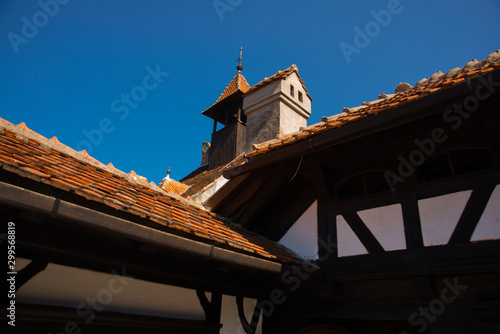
column 362, row 183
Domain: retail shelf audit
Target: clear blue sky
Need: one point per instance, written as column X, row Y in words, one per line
column 67, row 69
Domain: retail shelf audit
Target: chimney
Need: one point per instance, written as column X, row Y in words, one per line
column 205, row 151
column 276, row 106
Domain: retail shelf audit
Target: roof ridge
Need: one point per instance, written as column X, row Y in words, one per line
column 280, row 75
column 22, row 132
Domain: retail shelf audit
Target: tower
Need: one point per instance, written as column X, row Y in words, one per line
column 228, row 142
column 251, row 115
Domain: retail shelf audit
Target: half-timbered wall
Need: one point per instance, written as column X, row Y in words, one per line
column 438, row 216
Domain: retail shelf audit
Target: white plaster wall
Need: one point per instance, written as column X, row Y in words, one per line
column 386, row 224
column 489, row 224
column 69, row 286
column 230, row 319
column 290, row 120
column 348, row 242
column 302, row 237
column 209, row 190
column 439, row 216
column 293, row 79
column 257, row 97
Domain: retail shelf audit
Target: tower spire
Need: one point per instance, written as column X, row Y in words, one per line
column 239, row 67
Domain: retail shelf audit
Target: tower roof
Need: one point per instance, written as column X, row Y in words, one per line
column 238, row 84
column 236, row 88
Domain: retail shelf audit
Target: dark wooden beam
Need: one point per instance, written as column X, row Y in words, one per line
column 411, row 214
column 364, row 234
column 471, row 215
column 327, row 230
column 472, row 258
column 244, row 193
column 318, row 178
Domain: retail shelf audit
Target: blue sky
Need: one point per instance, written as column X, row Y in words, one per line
column 67, row 66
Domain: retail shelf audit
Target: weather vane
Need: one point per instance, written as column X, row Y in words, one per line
column 239, row 67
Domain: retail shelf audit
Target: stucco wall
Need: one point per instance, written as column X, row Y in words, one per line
column 73, row 287
column 439, row 216
column 271, row 110
column 489, row 224
column 386, row 224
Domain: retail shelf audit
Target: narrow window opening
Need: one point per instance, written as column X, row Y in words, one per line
column 300, row 96
column 292, row 90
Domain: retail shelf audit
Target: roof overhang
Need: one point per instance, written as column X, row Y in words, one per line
column 59, row 209
column 403, row 114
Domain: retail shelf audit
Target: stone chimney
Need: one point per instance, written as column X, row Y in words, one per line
column 205, row 151
column 276, row 106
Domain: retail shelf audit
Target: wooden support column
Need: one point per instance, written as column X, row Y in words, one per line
column 327, row 231
column 326, row 213
column 215, row 126
column 411, row 215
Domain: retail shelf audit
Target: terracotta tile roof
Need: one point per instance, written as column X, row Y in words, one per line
column 278, row 76
column 405, row 93
column 237, row 84
column 173, row 186
column 30, row 155
column 200, row 181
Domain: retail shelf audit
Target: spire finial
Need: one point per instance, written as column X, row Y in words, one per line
column 239, row 67
column 168, row 173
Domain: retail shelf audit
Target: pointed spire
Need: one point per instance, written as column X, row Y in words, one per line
column 239, row 67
